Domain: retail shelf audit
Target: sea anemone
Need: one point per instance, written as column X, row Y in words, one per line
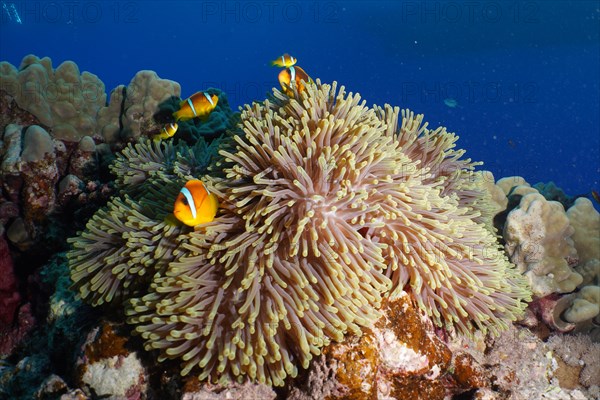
column 123, row 246
column 133, row 238
column 283, row 269
column 326, row 208
column 439, row 234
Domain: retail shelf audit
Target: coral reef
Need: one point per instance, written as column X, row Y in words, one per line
column 585, row 221
column 522, row 367
column 70, row 105
column 579, row 352
column 552, row 192
column 9, row 292
column 54, row 162
column 345, row 231
column 62, row 99
column 57, row 134
column 232, row 391
column 16, row 319
column 131, row 110
column 40, row 174
column 28, row 363
column 33, row 164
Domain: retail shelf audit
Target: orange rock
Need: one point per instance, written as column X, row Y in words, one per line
column 400, row 357
column 107, row 344
column 468, row 373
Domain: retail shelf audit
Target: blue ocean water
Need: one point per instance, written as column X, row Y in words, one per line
column 519, row 81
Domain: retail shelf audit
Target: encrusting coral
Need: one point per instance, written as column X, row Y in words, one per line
column 327, row 206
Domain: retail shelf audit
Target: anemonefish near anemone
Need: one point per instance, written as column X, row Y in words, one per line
column 293, row 77
column 167, row 131
column 195, row 205
column 284, row 61
column 199, row 105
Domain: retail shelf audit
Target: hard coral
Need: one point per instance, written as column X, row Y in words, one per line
column 538, row 240
column 62, row 99
column 131, row 109
column 585, row 221
column 326, row 206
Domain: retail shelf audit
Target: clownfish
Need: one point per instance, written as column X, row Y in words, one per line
column 167, row 131
column 291, row 78
column 199, row 105
column 284, row 61
column 195, row 205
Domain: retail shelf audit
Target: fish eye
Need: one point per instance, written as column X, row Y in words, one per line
column 184, row 201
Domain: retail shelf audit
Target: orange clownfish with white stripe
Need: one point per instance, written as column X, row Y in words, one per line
column 166, row 132
column 293, row 78
column 195, row 205
column 199, row 105
column 284, row 61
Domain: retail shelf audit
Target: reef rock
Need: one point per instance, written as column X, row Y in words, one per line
column 40, row 174
column 84, row 160
column 9, row 291
column 108, row 368
column 193, row 390
column 10, row 166
column 401, row 357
